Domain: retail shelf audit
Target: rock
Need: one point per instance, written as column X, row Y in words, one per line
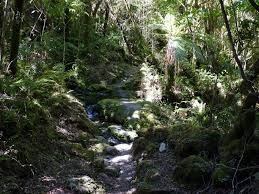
column 121, row 134
column 112, row 171
column 162, row 147
column 124, row 147
column 203, row 141
column 101, row 138
column 193, row 171
column 131, row 135
column 134, row 114
column 84, row 184
column 113, row 141
column 111, row 151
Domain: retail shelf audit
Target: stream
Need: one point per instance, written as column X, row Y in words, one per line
column 120, row 167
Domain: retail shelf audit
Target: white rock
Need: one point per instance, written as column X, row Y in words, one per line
column 162, row 147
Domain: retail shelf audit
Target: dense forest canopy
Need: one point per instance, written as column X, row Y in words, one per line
column 129, row 96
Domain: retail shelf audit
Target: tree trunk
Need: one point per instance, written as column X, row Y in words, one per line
column 254, row 4
column 16, row 31
column 107, row 12
column 3, row 6
column 230, row 37
column 98, row 4
column 1, row 33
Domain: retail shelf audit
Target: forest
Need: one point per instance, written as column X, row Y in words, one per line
column 129, row 96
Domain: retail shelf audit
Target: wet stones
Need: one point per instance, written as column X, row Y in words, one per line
column 112, row 171
column 110, row 150
column 84, row 184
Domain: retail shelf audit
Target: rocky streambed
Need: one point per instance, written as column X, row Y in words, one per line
column 117, row 163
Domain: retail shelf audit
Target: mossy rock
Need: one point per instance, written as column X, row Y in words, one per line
column 113, row 110
column 122, row 134
column 130, row 113
column 141, row 145
column 83, row 138
column 155, row 134
column 204, row 142
column 78, row 150
column 222, row 176
column 193, row 171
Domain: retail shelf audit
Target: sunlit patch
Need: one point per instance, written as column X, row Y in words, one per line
column 99, row 148
column 123, row 147
column 124, row 158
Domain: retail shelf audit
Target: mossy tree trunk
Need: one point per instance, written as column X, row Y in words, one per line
column 16, row 31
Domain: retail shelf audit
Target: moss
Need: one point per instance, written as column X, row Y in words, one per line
column 78, row 150
column 132, row 114
column 142, row 144
column 139, row 146
column 118, row 134
column 193, row 171
column 221, row 176
column 204, row 142
column 98, row 163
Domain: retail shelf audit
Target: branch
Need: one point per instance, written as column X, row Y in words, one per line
column 253, row 3
column 232, row 44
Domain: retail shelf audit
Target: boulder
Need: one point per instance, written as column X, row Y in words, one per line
column 121, row 134
column 110, row 150
column 162, row 147
column 204, row 142
column 193, row 171
column 112, row 171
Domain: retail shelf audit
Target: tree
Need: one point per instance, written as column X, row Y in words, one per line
column 16, row 31
column 3, row 6
column 231, row 41
column 254, row 4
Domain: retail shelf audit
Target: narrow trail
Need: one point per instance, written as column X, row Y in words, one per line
column 120, row 167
